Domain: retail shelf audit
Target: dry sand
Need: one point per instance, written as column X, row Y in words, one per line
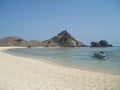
column 21, row 73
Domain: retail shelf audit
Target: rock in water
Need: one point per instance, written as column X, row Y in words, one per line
column 102, row 43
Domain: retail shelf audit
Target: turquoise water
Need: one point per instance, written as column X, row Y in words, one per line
column 76, row 57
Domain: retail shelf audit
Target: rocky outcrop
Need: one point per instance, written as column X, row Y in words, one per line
column 95, row 44
column 17, row 41
column 63, row 39
column 102, row 43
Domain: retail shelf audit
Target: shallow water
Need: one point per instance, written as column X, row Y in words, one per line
column 76, row 57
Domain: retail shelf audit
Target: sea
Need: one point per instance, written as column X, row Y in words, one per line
column 80, row 58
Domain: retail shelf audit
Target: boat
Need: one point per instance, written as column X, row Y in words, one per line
column 99, row 54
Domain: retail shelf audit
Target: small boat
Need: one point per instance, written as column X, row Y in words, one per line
column 99, row 54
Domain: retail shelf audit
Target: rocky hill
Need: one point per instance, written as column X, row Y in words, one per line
column 63, row 39
column 17, row 41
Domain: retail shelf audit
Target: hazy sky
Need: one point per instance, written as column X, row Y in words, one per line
column 86, row 20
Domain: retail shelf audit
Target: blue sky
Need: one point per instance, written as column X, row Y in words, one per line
column 86, row 20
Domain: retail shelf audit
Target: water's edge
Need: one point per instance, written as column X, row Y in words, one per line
column 46, row 60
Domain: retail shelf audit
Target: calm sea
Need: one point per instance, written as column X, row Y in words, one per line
column 76, row 57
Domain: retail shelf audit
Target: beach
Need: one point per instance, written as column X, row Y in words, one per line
column 23, row 73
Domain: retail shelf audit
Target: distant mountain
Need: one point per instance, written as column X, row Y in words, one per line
column 63, row 39
column 17, row 41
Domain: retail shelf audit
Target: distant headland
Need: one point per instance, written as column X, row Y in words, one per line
column 62, row 39
column 102, row 43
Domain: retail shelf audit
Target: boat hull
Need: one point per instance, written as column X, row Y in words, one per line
column 100, row 55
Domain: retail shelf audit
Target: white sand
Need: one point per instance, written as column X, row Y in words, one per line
column 20, row 73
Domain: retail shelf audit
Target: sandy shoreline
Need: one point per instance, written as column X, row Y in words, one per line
column 22, row 73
